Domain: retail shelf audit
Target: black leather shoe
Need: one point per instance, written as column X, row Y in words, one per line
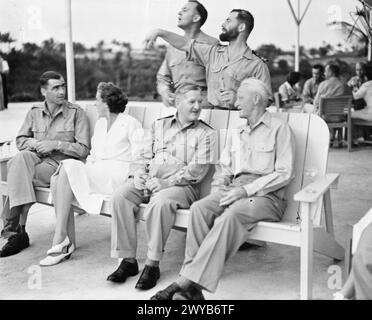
column 125, row 270
column 148, row 278
column 191, row 293
column 9, row 230
column 15, row 244
column 167, row 293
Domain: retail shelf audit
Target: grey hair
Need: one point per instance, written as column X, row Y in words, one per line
column 180, row 92
column 259, row 87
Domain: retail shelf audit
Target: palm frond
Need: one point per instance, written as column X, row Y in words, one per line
column 349, row 31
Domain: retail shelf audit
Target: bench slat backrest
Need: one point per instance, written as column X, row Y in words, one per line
column 311, row 138
column 316, row 155
column 311, row 144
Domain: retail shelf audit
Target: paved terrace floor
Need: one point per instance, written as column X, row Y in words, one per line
column 271, row 272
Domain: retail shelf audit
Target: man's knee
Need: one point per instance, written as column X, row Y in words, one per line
column 161, row 198
column 123, row 193
column 22, row 156
column 243, row 209
column 198, row 207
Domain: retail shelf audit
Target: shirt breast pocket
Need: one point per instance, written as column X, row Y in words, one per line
column 65, row 132
column 38, row 130
column 263, row 155
column 186, row 151
column 176, row 62
column 158, row 146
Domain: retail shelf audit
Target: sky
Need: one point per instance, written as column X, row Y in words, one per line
column 131, row 20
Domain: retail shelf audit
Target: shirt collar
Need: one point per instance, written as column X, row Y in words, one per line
column 248, row 53
column 265, row 119
column 174, row 120
column 63, row 108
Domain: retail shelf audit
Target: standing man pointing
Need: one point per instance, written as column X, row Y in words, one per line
column 226, row 66
column 177, row 70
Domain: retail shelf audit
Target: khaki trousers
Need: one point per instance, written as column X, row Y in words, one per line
column 159, row 218
column 215, row 233
column 25, row 171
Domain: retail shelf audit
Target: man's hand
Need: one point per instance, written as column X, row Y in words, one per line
column 168, row 98
column 46, row 146
column 228, row 97
column 139, row 181
column 151, row 38
column 233, row 195
column 156, row 184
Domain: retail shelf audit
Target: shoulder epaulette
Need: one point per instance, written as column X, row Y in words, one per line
column 37, row 105
column 167, row 117
column 203, row 122
column 73, row 105
column 260, row 57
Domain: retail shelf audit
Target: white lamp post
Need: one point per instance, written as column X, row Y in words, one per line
column 298, row 19
column 70, row 67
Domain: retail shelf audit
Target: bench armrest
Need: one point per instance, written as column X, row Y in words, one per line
column 312, row 192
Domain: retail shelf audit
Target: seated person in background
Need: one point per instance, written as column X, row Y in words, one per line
column 311, row 85
column 330, row 87
column 53, row 131
column 360, row 77
column 358, row 285
column 248, row 187
column 180, row 152
column 116, row 142
column 290, row 91
column 356, row 82
column 365, row 93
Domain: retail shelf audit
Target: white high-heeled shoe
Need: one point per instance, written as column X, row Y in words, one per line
column 59, row 247
column 339, row 296
column 58, row 253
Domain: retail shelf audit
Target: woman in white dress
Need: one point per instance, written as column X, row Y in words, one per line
column 364, row 92
column 116, row 142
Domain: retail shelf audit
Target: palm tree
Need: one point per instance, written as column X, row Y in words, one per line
column 358, row 33
column 5, row 38
column 129, row 65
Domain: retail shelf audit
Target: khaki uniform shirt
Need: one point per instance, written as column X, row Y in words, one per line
column 176, row 70
column 331, row 87
column 181, row 155
column 69, row 125
column 266, row 151
column 310, row 90
column 223, row 74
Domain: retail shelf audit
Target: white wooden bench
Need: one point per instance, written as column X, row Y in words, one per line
column 308, row 201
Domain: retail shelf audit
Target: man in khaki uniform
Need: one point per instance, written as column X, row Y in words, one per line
column 52, row 131
column 249, row 186
column 226, row 66
column 179, row 154
column 176, row 69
